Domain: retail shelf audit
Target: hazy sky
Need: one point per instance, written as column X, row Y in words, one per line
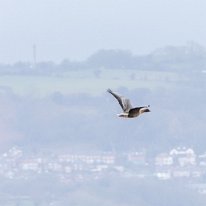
column 75, row 29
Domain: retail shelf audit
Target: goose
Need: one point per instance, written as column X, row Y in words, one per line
column 128, row 110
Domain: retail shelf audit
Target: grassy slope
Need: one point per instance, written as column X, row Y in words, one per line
column 86, row 81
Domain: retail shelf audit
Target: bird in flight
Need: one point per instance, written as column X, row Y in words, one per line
column 128, row 110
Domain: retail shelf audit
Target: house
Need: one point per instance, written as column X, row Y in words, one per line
column 137, row 158
column 163, row 159
column 31, row 165
column 163, row 175
column 183, row 156
column 202, row 159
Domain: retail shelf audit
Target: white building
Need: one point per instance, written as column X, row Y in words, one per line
column 163, row 159
column 183, row 156
column 202, row 159
column 137, row 158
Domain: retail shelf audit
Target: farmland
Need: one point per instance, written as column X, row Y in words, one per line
column 90, row 81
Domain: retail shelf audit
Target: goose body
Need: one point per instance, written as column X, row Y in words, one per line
column 128, row 110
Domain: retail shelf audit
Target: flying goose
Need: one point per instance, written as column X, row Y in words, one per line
column 128, row 110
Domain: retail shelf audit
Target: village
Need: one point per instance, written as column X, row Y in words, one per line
column 180, row 162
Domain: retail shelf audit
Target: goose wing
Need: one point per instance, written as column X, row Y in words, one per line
column 124, row 102
column 138, row 110
column 135, row 111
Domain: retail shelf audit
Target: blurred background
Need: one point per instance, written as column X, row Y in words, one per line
column 61, row 142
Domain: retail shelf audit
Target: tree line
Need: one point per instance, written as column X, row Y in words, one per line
column 191, row 57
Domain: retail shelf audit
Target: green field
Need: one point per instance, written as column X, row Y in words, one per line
column 86, row 81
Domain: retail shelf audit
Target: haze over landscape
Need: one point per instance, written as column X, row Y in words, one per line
column 59, row 132
column 76, row 29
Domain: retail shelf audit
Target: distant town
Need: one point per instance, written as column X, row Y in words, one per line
column 178, row 163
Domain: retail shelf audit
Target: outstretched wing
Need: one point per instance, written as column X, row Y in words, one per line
column 124, row 102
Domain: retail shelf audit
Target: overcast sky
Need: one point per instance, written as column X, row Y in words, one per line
column 75, row 29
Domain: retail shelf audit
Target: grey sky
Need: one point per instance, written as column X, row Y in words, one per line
column 77, row 28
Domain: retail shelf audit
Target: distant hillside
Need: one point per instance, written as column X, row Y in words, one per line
column 188, row 58
column 66, row 105
column 83, row 121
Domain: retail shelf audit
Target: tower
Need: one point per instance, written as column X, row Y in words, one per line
column 34, row 55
